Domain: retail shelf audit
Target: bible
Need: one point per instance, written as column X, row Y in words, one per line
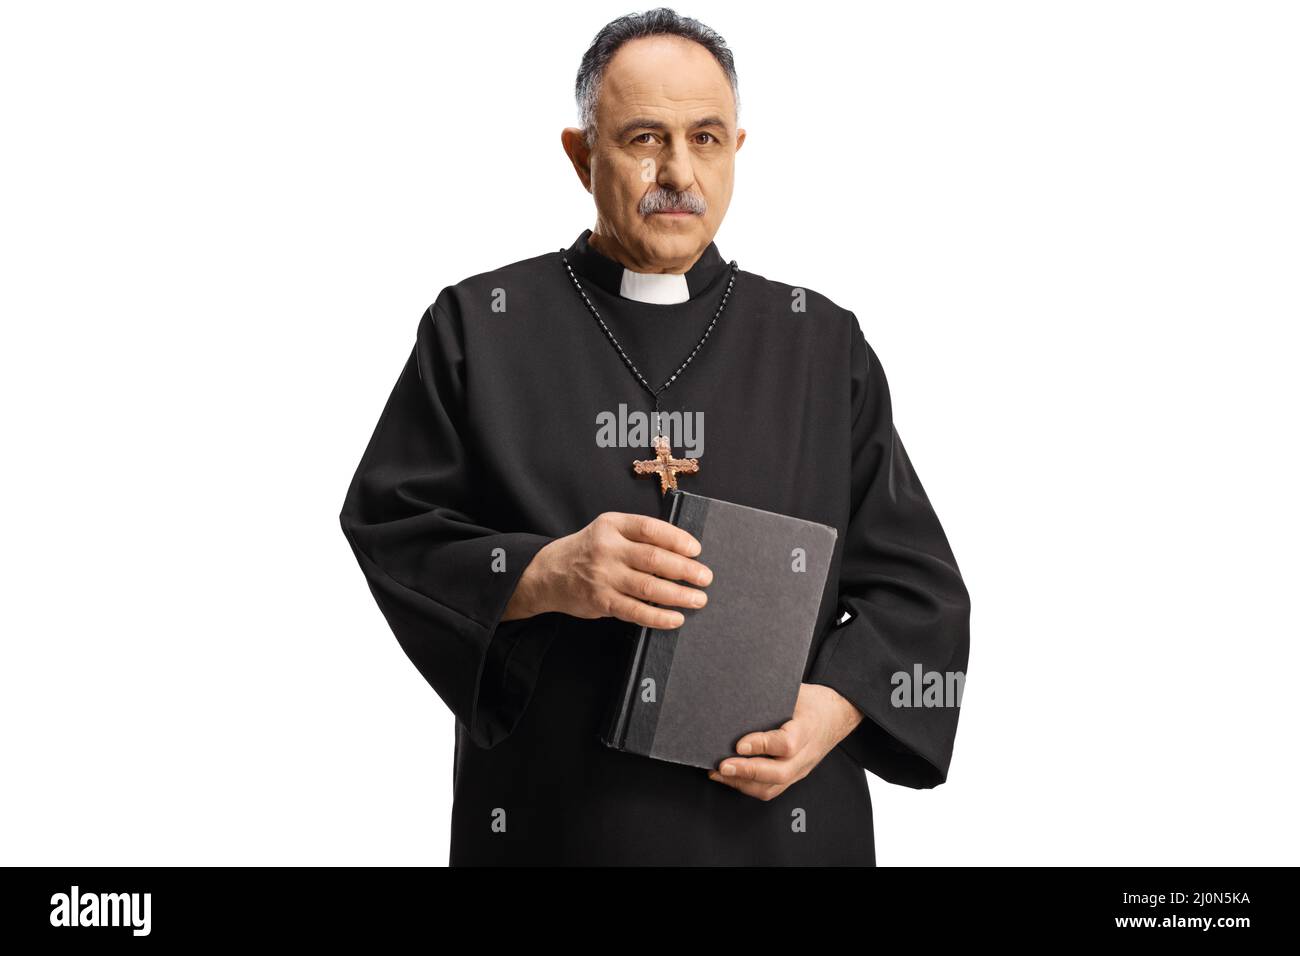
column 735, row 665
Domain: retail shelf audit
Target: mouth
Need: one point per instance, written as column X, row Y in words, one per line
column 673, row 212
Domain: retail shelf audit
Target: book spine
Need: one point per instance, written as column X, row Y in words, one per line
column 616, row 735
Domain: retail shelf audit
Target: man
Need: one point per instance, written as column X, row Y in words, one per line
column 514, row 550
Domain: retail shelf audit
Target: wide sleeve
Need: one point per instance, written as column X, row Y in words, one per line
column 441, row 575
column 909, row 608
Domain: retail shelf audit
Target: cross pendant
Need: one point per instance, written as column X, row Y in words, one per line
column 666, row 466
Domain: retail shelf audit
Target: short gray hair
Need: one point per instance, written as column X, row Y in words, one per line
column 658, row 22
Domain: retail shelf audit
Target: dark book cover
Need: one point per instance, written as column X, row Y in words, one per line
column 734, row 666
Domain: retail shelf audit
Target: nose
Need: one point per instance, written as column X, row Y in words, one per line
column 675, row 171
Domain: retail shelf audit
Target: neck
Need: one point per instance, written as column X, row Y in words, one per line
column 608, row 246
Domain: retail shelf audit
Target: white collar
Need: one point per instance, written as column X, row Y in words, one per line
column 663, row 288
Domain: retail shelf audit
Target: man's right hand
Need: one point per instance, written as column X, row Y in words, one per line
column 613, row 568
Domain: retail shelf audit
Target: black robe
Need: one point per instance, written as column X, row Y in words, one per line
column 487, row 450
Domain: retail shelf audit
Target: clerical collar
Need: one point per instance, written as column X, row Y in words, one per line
column 659, row 289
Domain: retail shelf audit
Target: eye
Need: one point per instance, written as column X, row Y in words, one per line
column 643, row 139
column 709, row 137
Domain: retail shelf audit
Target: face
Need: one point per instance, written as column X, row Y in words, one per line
column 663, row 163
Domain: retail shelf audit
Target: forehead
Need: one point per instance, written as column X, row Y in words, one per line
column 664, row 74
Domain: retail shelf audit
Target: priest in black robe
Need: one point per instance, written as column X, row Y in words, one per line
column 508, row 542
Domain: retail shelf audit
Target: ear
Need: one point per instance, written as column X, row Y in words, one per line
column 740, row 138
column 575, row 147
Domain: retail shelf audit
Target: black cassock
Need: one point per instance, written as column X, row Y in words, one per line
column 488, row 449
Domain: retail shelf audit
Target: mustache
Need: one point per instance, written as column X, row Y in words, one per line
column 667, row 200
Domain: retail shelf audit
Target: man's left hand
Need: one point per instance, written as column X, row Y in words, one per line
column 770, row 761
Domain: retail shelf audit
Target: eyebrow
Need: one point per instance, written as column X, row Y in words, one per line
column 646, row 122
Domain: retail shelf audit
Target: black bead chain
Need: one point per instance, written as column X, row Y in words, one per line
column 654, row 392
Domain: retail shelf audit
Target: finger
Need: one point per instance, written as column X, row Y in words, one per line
column 785, row 742
column 758, row 769
column 658, row 532
column 759, row 791
column 638, row 612
column 663, row 563
column 647, row 587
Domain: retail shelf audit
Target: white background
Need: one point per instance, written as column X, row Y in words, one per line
column 1068, row 229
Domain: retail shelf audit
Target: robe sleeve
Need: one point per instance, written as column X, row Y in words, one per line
column 907, row 602
column 440, row 574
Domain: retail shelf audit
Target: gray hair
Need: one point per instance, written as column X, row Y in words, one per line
column 658, row 22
